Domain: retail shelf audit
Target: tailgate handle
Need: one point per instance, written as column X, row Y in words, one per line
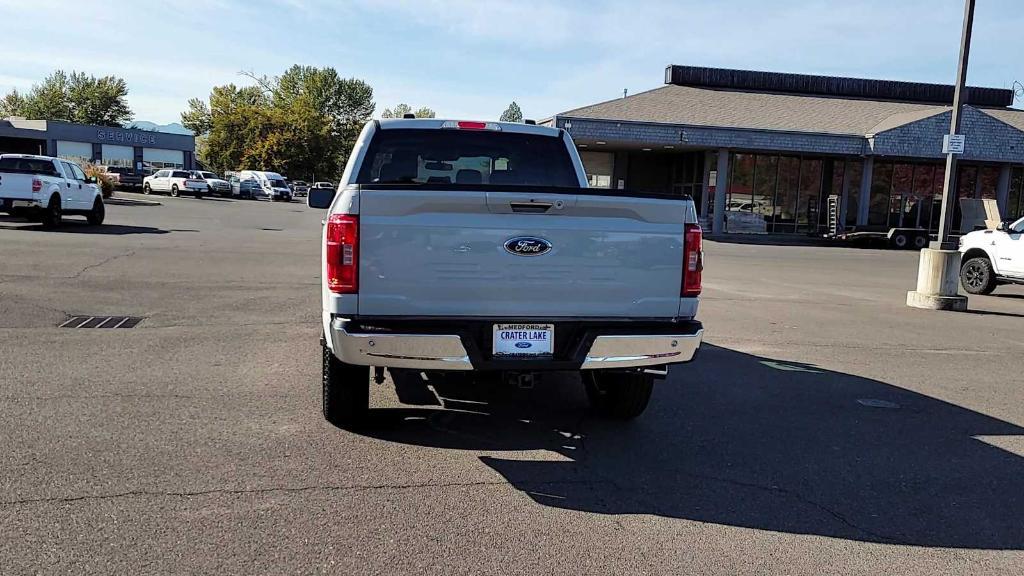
column 530, row 207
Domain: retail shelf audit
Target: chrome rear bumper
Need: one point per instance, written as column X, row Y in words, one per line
column 644, row 350
column 448, row 352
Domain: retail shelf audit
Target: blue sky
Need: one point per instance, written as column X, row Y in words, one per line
column 470, row 58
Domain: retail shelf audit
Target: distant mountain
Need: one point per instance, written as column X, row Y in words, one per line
column 173, row 127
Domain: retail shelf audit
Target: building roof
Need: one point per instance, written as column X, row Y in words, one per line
column 1010, row 116
column 694, row 106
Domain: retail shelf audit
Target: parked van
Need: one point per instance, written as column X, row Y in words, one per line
column 271, row 184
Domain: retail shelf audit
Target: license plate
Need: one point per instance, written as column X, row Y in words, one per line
column 524, row 339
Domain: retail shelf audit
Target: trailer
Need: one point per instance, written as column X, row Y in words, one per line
column 897, row 238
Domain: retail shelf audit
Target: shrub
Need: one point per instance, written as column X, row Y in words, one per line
column 105, row 180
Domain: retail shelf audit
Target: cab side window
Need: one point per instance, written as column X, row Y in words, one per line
column 79, row 175
column 69, row 171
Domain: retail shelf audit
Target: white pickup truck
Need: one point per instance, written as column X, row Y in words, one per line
column 47, row 189
column 478, row 247
column 992, row 257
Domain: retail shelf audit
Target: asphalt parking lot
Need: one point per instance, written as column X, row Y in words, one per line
column 824, row 428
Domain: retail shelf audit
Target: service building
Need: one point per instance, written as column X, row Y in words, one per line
column 768, row 149
column 105, row 145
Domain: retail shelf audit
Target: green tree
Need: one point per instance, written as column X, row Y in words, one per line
column 12, row 104
column 401, row 110
column 74, row 97
column 512, row 114
column 302, row 123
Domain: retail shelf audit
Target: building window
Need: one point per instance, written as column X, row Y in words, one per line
column 1015, row 200
column 854, row 172
column 988, row 182
column 786, row 192
column 881, row 183
column 598, row 167
column 966, row 182
column 900, row 194
column 766, row 170
column 810, row 192
column 741, row 184
column 921, row 198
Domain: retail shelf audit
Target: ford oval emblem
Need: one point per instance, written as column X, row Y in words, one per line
column 527, row 246
column 523, row 345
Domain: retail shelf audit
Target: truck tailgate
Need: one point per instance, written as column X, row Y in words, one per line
column 443, row 253
column 16, row 186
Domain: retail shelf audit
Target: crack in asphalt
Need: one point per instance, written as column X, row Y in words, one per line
column 101, row 263
column 288, row 490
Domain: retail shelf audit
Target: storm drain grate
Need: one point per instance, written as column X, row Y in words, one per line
column 102, row 322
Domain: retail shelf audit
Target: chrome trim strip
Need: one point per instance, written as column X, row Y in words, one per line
column 629, row 351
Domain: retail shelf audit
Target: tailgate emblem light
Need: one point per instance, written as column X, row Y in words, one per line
column 527, row 246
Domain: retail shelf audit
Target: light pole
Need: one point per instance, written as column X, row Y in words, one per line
column 938, row 273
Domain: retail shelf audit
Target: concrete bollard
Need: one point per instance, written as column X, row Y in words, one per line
column 938, row 282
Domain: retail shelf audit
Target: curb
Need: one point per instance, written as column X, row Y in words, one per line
column 120, row 201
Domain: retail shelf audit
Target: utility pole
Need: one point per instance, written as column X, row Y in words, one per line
column 938, row 274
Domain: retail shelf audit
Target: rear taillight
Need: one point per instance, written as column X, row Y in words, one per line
column 693, row 260
column 37, row 184
column 343, row 253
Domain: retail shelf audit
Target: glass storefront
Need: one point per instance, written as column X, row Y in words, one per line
column 772, row 193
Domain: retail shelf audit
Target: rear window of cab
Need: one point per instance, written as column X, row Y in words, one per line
column 467, row 157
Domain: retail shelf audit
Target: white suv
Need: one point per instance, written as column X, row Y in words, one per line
column 992, row 257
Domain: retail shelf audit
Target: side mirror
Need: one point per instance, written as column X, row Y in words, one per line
column 320, row 198
column 1003, row 226
column 90, row 179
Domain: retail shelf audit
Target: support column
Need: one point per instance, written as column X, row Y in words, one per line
column 844, row 194
column 705, row 201
column 864, row 205
column 1003, row 191
column 721, row 183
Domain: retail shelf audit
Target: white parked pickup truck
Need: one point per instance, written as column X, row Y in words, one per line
column 47, row 189
column 478, row 247
column 992, row 257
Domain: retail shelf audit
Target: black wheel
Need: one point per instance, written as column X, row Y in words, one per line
column 146, row 189
column 346, row 392
column 97, row 214
column 174, row 190
column 920, row 241
column 54, row 213
column 618, row 395
column 899, row 241
column 977, row 276
column 199, row 195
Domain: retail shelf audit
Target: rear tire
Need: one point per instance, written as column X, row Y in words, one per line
column 174, row 191
column 618, row 395
column 97, row 214
column 977, row 276
column 346, row 392
column 54, row 213
column 899, row 241
column 920, row 241
column 146, row 189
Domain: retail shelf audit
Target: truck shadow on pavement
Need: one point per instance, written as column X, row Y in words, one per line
column 76, row 227
column 746, row 441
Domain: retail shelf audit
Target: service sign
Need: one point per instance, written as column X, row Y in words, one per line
column 524, row 339
column 124, row 137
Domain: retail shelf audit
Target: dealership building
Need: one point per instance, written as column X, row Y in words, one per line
column 105, row 145
column 767, row 150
